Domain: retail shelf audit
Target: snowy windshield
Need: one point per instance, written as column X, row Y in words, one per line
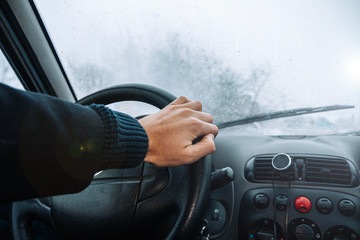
column 239, row 58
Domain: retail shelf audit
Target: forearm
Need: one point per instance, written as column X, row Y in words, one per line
column 51, row 147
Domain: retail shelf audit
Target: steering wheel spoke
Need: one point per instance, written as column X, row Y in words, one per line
column 185, row 196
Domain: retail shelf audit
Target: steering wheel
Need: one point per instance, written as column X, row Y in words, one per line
column 136, row 203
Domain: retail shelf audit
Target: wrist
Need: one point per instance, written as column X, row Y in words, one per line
column 125, row 143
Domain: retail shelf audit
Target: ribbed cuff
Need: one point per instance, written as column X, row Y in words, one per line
column 125, row 142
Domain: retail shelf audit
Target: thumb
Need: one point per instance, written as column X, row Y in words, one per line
column 202, row 148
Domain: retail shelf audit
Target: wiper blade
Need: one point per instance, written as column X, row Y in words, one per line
column 352, row 133
column 283, row 114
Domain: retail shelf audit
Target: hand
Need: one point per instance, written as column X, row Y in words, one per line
column 172, row 130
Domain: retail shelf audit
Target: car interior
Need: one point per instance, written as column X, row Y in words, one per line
column 260, row 183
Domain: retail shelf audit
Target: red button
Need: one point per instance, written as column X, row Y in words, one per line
column 302, row 204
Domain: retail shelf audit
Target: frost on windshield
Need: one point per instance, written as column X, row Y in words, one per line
column 225, row 93
column 239, row 58
column 182, row 70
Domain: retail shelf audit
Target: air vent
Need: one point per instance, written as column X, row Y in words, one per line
column 305, row 169
column 324, row 170
column 263, row 170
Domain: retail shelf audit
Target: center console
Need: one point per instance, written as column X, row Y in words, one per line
column 306, row 201
column 300, row 214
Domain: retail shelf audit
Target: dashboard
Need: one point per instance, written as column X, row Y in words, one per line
column 318, row 197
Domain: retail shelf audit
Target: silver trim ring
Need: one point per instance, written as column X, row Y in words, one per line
column 284, row 168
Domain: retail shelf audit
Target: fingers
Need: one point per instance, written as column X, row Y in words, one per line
column 205, row 117
column 183, row 118
column 206, row 128
column 201, row 125
column 202, row 148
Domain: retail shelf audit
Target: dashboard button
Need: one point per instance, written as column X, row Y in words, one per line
column 281, row 202
column 263, row 229
column 341, row 233
column 261, row 201
column 265, row 233
column 302, row 204
column 304, row 229
column 324, row 205
column 346, row 207
column 304, row 232
column 216, row 216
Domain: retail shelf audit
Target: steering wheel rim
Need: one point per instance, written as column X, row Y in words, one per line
column 130, row 92
column 192, row 182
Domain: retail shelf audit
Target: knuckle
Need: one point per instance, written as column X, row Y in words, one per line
column 186, row 111
column 194, row 122
column 212, row 147
column 183, row 99
column 211, row 118
column 198, row 104
column 216, row 129
column 172, row 107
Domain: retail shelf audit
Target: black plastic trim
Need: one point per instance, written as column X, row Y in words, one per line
column 20, row 54
column 53, row 50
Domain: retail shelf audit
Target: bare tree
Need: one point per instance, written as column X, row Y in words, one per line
column 226, row 93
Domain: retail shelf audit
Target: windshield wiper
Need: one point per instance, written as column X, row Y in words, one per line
column 352, row 133
column 282, row 114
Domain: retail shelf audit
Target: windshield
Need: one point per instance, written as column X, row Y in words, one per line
column 239, row 58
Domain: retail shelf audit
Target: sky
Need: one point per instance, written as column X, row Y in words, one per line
column 310, row 48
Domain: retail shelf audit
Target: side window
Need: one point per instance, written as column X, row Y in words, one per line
column 7, row 74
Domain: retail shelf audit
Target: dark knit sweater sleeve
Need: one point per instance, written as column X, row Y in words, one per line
column 125, row 142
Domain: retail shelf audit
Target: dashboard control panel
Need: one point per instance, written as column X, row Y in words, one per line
column 300, row 214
